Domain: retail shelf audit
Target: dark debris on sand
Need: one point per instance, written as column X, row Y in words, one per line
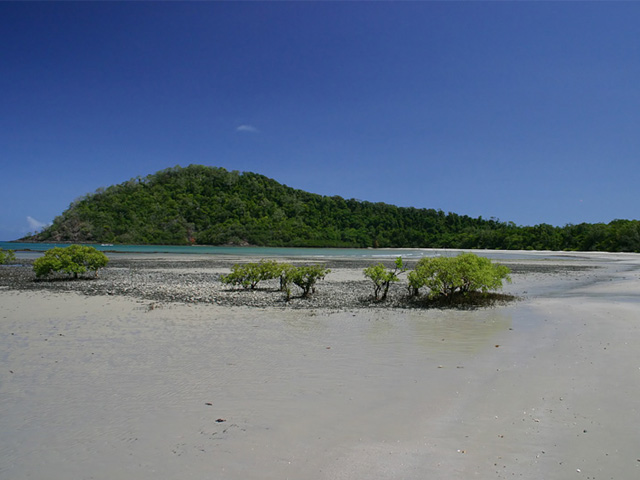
column 198, row 282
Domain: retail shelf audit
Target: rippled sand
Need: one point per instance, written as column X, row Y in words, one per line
column 106, row 387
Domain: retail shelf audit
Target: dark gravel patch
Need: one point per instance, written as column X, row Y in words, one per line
column 171, row 281
column 198, row 281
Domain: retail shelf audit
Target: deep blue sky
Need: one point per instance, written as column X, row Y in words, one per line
column 524, row 111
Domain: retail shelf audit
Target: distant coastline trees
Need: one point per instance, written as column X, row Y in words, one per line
column 212, row 206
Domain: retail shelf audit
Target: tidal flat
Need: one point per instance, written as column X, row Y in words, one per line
column 156, row 370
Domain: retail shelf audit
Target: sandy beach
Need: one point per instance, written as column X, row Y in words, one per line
column 127, row 387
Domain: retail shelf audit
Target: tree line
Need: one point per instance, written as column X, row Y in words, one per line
column 212, row 206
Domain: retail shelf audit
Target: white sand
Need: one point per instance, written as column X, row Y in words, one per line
column 104, row 388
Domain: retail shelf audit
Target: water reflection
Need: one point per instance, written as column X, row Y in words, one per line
column 463, row 332
column 437, row 331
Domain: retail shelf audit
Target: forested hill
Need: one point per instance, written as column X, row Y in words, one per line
column 212, row 206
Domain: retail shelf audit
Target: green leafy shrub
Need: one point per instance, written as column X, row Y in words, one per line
column 72, row 260
column 6, row 256
column 383, row 277
column 287, row 272
column 416, row 280
column 466, row 273
column 306, row 277
column 239, row 276
column 248, row 275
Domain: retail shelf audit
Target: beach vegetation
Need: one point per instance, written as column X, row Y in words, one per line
column 285, row 272
column 461, row 275
column 73, row 260
column 305, row 277
column 382, row 278
column 248, row 275
column 286, row 275
column 7, row 256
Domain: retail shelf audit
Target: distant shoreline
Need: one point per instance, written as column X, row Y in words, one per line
column 310, row 252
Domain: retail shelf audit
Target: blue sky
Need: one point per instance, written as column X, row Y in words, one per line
column 524, row 111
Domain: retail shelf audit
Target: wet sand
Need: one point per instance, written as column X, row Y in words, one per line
column 104, row 387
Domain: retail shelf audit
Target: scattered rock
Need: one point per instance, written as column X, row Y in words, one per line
column 168, row 280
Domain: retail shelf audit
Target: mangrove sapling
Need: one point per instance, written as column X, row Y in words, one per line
column 479, row 274
column 286, row 278
column 306, row 277
column 7, row 256
column 72, row 260
column 382, row 278
column 268, row 269
column 240, row 275
column 415, row 282
column 250, row 274
column 463, row 274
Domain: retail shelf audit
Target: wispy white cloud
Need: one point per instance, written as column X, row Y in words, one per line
column 247, row 128
column 35, row 224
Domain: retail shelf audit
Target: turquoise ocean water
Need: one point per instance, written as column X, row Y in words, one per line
column 25, row 250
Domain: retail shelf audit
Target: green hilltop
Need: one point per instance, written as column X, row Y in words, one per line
column 212, row 206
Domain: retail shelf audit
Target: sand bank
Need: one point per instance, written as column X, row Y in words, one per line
column 104, row 387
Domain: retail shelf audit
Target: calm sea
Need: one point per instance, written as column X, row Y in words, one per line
column 30, row 250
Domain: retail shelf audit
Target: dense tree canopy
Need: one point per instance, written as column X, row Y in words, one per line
column 212, row 206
